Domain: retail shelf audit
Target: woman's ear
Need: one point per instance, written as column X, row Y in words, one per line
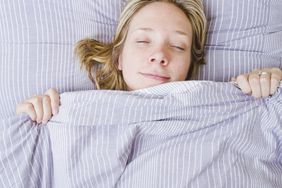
column 119, row 62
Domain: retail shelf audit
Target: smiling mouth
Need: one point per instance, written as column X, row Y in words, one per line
column 156, row 77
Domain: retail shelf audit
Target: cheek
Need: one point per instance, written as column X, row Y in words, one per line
column 184, row 72
column 182, row 69
column 132, row 59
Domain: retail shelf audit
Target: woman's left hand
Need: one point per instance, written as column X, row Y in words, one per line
column 260, row 82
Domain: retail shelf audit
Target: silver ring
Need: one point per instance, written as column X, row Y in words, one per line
column 263, row 73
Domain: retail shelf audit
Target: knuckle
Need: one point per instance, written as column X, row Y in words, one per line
column 264, row 80
column 253, row 80
column 29, row 107
column 37, row 99
column 52, row 91
column 56, row 100
column 275, row 69
column 46, row 99
column 240, row 77
column 275, row 77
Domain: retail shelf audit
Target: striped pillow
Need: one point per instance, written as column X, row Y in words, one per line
column 242, row 35
column 37, row 40
column 36, row 45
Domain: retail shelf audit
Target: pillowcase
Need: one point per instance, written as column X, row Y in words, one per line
column 37, row 41
column 242, row 35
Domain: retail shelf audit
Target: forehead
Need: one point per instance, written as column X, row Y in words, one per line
column 161, row 14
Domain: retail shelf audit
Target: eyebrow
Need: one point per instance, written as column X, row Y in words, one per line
column 150, row 29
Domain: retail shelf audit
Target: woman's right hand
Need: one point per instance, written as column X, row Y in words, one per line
column 41, row 107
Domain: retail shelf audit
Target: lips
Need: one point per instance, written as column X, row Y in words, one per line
column 156, row 76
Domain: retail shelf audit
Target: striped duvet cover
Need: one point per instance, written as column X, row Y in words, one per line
column 184, row 134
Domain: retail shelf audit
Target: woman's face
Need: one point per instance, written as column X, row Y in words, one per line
column 157, row 48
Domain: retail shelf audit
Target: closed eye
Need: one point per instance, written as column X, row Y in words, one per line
column 143, row 41
column 178, row 47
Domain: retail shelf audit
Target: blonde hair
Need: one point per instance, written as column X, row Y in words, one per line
column 93, row 53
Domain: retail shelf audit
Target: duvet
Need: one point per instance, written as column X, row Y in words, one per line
column 185, row 134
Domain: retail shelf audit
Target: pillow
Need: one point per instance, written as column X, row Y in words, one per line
column 37, row 41
column 242, row 35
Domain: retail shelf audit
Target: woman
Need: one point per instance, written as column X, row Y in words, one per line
column 156, row 42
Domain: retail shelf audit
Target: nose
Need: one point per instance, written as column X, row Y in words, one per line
column 159, row 56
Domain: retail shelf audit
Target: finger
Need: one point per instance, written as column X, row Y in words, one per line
column 274, row 85
column 243, row 84
column 37, row 105
column 254, row 81
column 47, row 112
column 27, row 108
column 265, row 84
column 233, row 79
column 55, row 100
column 276, row 77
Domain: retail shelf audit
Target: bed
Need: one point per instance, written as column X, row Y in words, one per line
column 200, row 133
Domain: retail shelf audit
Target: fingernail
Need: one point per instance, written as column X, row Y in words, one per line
column 55, row 111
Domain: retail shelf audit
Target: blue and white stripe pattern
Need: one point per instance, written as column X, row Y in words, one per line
column 37, row 40
column 242, row 35
column 195, row 134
